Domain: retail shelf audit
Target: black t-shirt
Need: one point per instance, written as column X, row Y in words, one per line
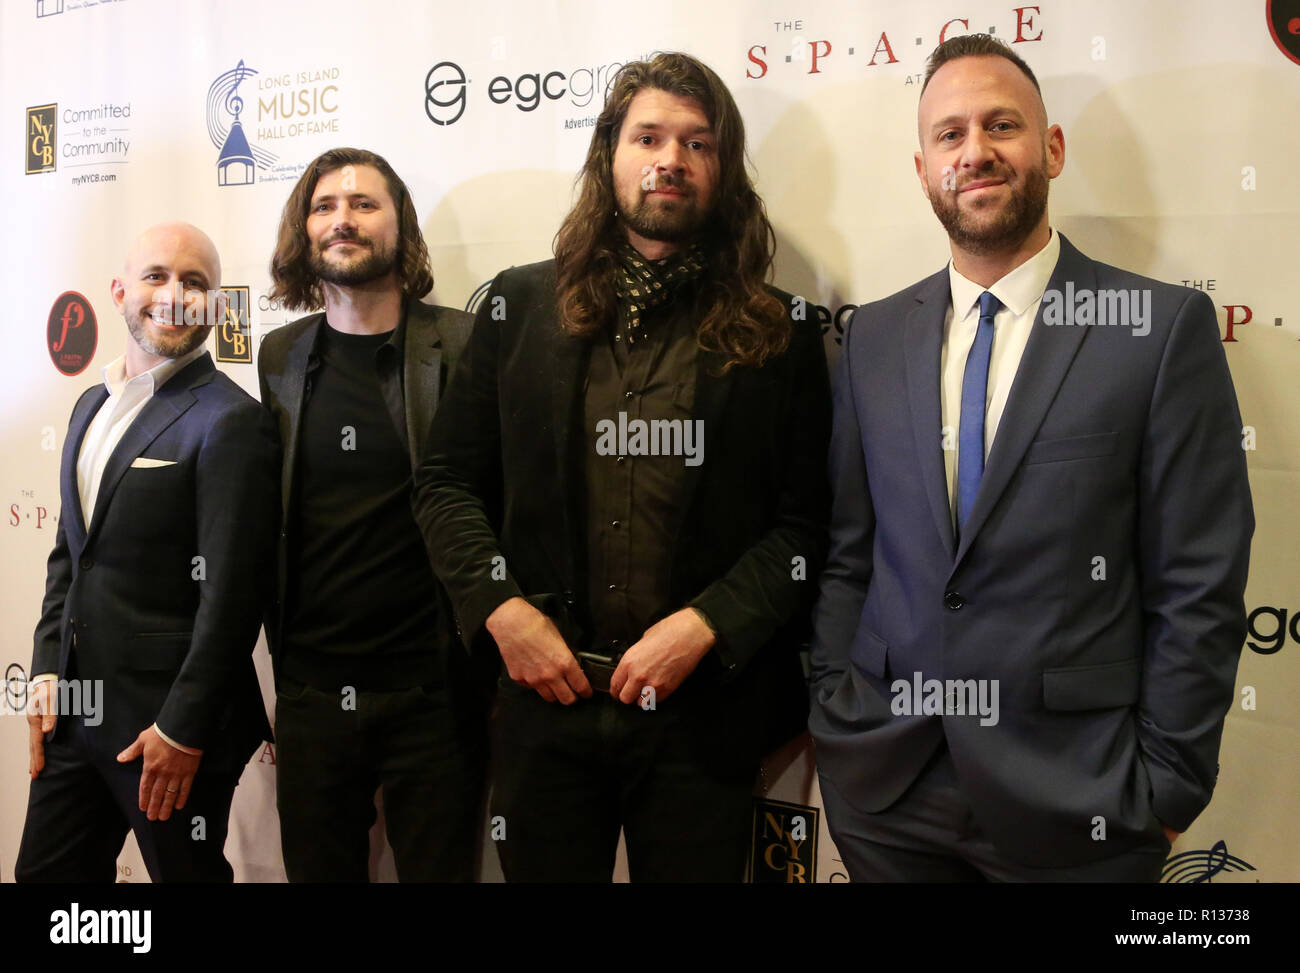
column 362, row 608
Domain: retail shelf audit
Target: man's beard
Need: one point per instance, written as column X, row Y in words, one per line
column 982, row 232
column 675, row 223
column 165, row 342
column 373, row 266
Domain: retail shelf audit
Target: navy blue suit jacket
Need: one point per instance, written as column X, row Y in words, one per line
column 1114, row 675
column 170, row 636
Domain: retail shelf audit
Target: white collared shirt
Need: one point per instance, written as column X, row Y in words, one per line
column 1021, row 292
column 126, row 399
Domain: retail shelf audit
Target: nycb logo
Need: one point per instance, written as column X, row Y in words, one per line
column 42, row 128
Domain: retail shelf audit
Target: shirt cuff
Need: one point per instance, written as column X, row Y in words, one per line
column 43, row 677
column 166, row 739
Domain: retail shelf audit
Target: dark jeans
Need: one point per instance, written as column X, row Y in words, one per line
column 82, row 805
column 331, row 760
column 567, row 778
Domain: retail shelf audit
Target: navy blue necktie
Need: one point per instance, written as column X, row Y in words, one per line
column 974, row 392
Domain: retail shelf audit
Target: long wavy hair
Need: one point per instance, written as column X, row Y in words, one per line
column 739, row 317
column 295, row 284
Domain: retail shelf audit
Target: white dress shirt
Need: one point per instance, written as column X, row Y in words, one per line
column 126, row 399
column 1020, row 292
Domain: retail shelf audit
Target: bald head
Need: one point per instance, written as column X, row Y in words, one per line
column 175, row 240
column 168, row 293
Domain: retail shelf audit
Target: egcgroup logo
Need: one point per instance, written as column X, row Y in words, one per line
column 71, row 333
column 444, row 93
column 446, row 88
column 1266, row 629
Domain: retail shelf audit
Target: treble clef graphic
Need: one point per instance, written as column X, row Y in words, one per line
column 234, row 103
column 1215, row 861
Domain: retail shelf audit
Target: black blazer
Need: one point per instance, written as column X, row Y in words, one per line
column 432, row 341
column 171, row 637
column 504, row 477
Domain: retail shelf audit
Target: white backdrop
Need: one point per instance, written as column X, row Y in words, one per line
column 1179, row 121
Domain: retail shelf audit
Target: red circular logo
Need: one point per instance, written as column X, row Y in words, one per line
column 71, row 334
column 1284, row 25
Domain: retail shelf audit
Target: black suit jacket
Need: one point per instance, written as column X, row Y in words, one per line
column 431, row 343
column 504, row 477
column 170, row 636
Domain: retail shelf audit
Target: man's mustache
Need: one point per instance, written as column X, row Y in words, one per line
column 349, row 237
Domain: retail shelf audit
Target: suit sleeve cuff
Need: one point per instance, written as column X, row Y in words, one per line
column 168, row 740
column 720, row 649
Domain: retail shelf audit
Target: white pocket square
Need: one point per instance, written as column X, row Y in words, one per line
column 143, row 462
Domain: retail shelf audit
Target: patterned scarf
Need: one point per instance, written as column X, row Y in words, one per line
column 643, row 284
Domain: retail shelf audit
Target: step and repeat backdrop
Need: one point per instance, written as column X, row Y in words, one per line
column 1181, row 140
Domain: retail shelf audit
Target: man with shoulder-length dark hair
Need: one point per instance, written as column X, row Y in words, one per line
column 371, row 691
column 624, row 489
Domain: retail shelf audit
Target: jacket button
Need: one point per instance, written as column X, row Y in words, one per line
column 953, row 600
column 85, row 564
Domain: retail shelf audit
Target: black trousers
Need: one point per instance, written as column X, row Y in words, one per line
column 331, row 760
column 566, row 779
column 930, row 835
column 82, row 805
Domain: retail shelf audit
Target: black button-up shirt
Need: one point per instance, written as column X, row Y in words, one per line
column 636, row 392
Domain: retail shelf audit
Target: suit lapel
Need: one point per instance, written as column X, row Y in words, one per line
column 1047, row 358
column 922, row 346
column 69, row 490
column 422, row 375
column 166, row 406
column 292, row 392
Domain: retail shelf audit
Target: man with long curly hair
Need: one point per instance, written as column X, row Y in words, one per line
column 625, row 492
column 370, row 690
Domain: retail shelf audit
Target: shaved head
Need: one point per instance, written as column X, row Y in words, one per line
column 174, row 235
column 168, row 293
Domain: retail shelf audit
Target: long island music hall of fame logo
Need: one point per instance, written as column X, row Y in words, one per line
column 476, row 298
column 1205, row 865
column 237, row 160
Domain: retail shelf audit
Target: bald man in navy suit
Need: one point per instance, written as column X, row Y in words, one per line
column 155, row 591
